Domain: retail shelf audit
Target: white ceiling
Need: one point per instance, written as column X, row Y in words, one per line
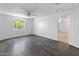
column 37, row 9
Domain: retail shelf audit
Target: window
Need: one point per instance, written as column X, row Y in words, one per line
column 19, row 24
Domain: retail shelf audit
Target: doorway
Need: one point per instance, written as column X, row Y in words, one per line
column 63, row 29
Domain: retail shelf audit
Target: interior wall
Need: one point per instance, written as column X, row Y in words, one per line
column 46, row 27
column 64, row 25
column 7, row 29
column 74, row 29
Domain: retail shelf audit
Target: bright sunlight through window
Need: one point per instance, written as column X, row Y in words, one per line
column 19, row 24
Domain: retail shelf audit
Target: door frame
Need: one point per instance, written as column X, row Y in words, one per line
column 58, row 28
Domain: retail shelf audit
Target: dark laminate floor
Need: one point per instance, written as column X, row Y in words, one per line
column 36, row 46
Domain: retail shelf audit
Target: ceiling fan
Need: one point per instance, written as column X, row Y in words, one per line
column 30, row 12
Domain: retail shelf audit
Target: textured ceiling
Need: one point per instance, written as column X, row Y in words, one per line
column 36, row 9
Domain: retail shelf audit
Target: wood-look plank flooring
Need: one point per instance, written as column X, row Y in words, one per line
column 34, row 45
column 63, row 37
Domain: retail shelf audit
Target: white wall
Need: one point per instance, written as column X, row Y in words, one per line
column 6, row 27
column 74, row 29
column 64, row 25
column 46, row 27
